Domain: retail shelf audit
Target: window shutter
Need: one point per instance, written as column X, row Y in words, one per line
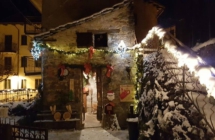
column 7, row 63
column 84, row 40
column 8, row 42
column 23, row 84
column 24, row 40
column 38, row 63
column 23, row 61
column 7, row 84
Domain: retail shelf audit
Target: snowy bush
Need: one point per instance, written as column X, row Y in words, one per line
column 165, row 112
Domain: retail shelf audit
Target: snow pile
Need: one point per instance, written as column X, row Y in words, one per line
column 165, row 111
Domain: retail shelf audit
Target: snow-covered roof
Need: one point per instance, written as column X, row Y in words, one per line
column 201, row 45
column 82, row 20
column 184, row 55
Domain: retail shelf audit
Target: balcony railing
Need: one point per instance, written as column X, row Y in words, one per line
column 33, row 25
column 32, row 68
column 13, row 48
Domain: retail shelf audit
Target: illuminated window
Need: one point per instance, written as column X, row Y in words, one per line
column 7, row 84
column 23, row 83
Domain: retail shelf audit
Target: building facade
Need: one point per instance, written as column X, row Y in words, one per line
column 15, row 57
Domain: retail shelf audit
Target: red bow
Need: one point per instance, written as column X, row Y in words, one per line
column 61, row 67
column 109, row 70
column 87, row 67
column 91, row 52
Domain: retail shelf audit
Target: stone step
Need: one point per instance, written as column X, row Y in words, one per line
column 52, row 124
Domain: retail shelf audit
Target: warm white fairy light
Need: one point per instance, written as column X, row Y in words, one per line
column 36, row 51
column 121, row 47
column 192, row 62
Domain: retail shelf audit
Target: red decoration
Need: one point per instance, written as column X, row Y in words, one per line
column 61, row 67
column 109, row 70
column 87, row 67
column 91, row 52
column 124, row 94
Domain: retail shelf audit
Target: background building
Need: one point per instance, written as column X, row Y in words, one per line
column 15, row 45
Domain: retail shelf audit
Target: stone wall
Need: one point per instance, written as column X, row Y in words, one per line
column 121, row 19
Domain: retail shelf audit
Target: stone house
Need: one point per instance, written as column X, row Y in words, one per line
column 98, row 45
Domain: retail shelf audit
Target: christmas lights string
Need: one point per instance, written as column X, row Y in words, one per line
column 39, row 46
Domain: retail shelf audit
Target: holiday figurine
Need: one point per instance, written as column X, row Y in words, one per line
column 109, row 70
column 91, row 52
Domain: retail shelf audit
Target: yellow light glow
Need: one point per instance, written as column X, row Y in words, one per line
column 204, row 74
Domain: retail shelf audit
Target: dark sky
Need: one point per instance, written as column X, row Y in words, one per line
column 194, row 19
column 16, row 10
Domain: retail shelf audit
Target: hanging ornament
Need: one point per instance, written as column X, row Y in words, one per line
column 121, row 48
column 110, row 95
column 91, row 52
column 109, row 70
column 88, row 68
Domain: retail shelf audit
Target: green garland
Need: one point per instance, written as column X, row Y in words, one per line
column 79, row 52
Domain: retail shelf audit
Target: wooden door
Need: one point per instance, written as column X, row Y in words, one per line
column 76, row 86
column 99, row 93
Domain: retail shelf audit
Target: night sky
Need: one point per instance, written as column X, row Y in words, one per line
column 17, row 10
column 194, row 19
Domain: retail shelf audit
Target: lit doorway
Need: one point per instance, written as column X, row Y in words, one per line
column 90, row 99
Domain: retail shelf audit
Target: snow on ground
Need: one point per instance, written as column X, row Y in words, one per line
column 88, row 134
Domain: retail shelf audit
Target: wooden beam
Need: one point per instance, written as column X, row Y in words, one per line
column 105, row 31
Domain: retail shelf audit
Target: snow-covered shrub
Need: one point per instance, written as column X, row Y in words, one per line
column 165, row 112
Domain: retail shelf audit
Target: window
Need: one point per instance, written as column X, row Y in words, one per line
column 37, row 83
column 7, row 63
column 7, row 84
column 8, row 42
column 24, row 40
column 24, row 61
column 38, row 63
column 100, row 40
column 84, row 40
column 23, row 83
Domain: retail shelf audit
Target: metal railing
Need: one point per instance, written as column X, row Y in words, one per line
column 14, row 47
column 10, row 131
column 17, row 95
